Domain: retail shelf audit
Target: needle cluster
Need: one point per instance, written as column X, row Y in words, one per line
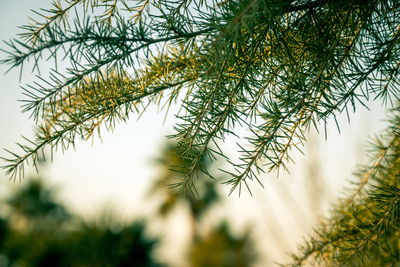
column 276, row 68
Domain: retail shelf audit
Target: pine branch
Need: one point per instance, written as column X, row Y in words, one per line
column 365, row 229
column 81, row 121
column 274, row 67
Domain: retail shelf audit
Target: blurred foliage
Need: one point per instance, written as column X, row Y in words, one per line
column 35, row 208
column 221, row 248
column 103, row 246
column 218, row 247
column 39, row 231
column 171, row 164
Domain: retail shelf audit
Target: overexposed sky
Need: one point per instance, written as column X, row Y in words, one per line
column 119, row 169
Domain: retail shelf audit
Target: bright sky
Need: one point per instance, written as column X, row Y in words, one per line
column 119, row 169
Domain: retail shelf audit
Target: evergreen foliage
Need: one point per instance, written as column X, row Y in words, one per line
column 365, row 229
column 276, row 68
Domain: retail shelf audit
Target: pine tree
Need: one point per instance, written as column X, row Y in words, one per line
column 276, row 68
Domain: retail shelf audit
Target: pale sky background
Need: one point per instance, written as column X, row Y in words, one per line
column 119, row 169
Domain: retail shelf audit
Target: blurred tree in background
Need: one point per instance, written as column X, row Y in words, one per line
column 39, row 231
column 276, row 68
column 218, row 247
column 100, row 245
column 34, row 232
column 171, row 164
column 35, row 207
column 221, row 248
